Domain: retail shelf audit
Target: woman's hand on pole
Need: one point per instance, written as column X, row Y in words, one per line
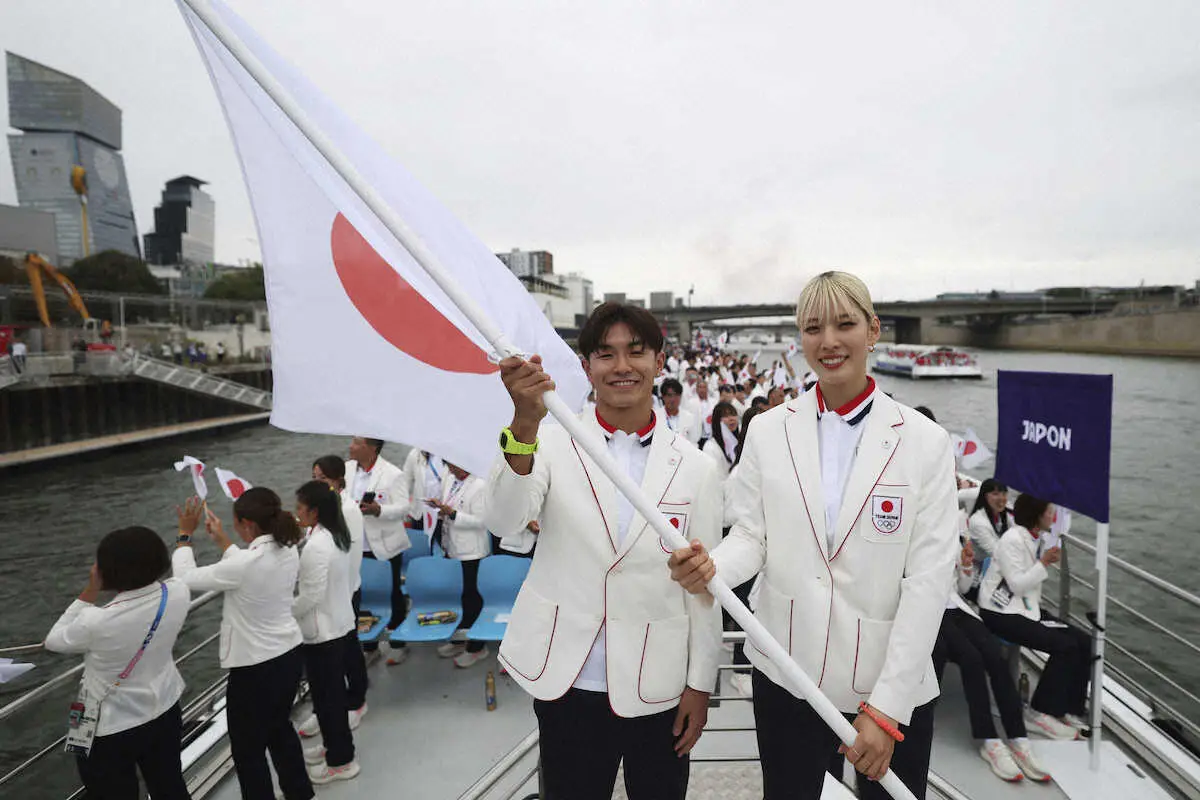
column 872, row 751
column 216, row 531
column 692, row 568
column 1052, row 555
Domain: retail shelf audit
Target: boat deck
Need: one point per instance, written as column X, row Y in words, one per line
column 428, row 735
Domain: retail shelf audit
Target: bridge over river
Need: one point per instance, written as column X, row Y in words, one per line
column 983, row 317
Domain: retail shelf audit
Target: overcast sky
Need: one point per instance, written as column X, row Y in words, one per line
column 740, row 147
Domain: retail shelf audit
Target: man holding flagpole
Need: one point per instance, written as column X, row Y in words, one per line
column 619, row 659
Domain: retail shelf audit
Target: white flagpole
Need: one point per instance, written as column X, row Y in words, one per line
column 755, row 631
column 1097, row 709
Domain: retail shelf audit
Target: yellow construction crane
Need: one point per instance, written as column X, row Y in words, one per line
column 35, row 268
column 79, row 184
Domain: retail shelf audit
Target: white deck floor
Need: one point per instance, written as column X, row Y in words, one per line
column 428, row 735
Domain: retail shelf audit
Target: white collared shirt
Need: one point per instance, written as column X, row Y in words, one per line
column 354, row 521
column 256, row 618
column 631, row 452
column 110, row 635
column 838, row 434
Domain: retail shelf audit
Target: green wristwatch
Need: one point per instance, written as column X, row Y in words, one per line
column 510, row 445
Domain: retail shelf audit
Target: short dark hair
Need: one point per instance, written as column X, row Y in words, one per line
column 760, row 402
column 724, row 387
column 641, row 322
column 130, row 558
column 927, row 411
column 670, row 385
column 1027, row 510
column 376, row 443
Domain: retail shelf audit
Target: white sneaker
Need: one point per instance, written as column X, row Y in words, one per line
column 327, row 774
column 397, row 656
column 309, row 727
column 1049, row 726
column 743, row 684
column 356, row 716
column 314, row 754
column 451, row 649
column 465, row 659
column 1000, row 760
column 1022, row 753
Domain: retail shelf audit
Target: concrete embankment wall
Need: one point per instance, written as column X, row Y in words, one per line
column 1170, row 333
column 52, row 413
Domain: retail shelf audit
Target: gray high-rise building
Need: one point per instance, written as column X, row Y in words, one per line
column 661, row 300
column 67, row 124
column 184, row 224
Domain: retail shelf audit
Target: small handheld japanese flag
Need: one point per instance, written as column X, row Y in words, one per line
column 232, row 484
column 196, row 467
column 970, row 450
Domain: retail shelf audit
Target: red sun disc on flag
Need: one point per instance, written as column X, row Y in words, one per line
column 397, row 311
column 887, row 506
column 236, row 488
column 969, row 447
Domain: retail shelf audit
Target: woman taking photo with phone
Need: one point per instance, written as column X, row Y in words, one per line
column 127, row 717
column 1010, row 605
column 845, row 503
column 260, row 640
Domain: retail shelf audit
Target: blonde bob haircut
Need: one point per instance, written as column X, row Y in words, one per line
column 830, row 294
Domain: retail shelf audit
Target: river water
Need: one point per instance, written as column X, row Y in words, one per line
column 52, row 518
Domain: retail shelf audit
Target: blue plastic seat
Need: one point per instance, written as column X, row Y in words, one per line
column 500, row 578
column 376, row 595
column 419, row 549
column 434, row 584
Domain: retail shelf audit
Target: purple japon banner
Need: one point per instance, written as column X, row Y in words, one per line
column 1055, row 437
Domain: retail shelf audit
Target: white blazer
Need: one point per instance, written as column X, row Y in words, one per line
column 354, row 521
column 717, row 454
column 465, row 537
column 322, row 606
column 386, row 533
column 983, row 535
column 659, row 639
column 421, row 480
column 862, row 621
column 256, row 612
column 1015, row 563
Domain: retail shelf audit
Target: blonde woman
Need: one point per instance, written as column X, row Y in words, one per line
column 845, row 503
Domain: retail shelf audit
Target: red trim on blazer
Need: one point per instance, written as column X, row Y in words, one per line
column 874, row 486
column 642, row 666
column 821, row 550
column 546, row 663
column 595, row 496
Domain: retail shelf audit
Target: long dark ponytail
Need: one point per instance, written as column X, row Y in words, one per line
column 264, row 508
column 328, row 505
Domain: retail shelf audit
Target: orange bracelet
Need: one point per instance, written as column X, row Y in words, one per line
column 888, row 728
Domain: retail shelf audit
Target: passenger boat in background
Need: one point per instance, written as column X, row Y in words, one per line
column 926, row 361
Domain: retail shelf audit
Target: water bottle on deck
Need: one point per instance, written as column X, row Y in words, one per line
column 489, row 691
column 1023, row 688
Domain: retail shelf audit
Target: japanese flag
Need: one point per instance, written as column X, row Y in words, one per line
column 970, row 450
column 397, row 359
column 232, row 484
column 196, row 468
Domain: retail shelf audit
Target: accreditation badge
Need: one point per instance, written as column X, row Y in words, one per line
column 82, row 721
column 886, row 513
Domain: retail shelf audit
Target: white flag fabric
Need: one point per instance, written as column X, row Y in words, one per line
column 196, row 468
column 970, row 450
column 723, row 340
column 364, row 342
column 233, row 486
column 11, row 670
